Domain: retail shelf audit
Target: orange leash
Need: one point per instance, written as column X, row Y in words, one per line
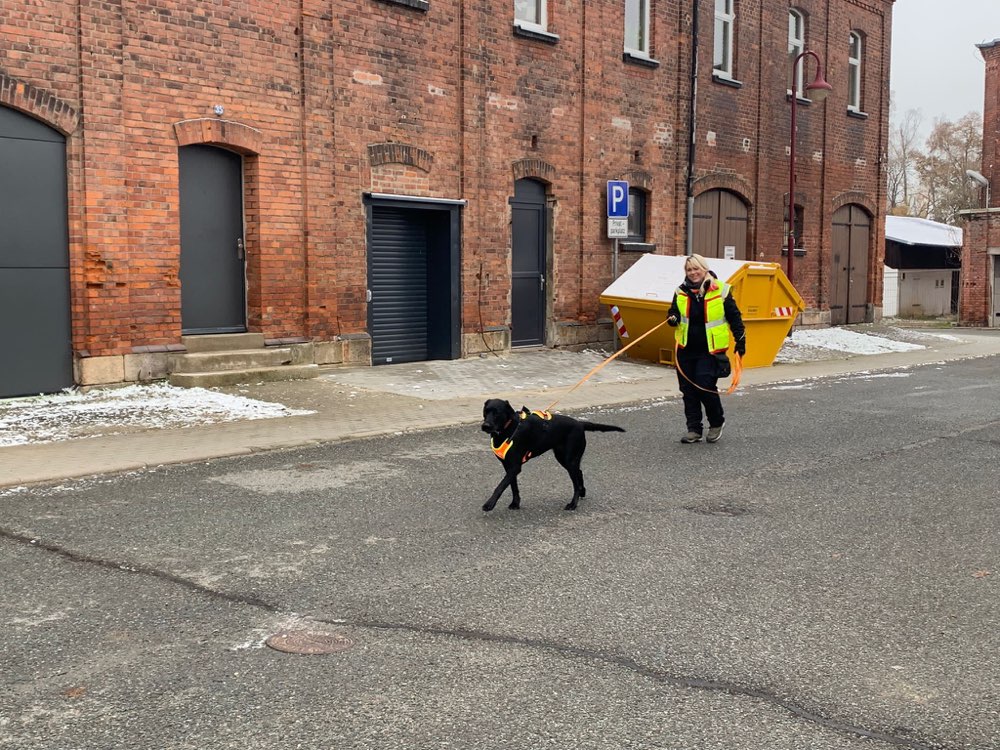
column 737, row 373
column 602, row 364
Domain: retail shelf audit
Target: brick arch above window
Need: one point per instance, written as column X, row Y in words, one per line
column 853, row 196
column 38, row 103
column 214, row 132
column 729, row 182
column 399, row 153
column 638, row 178
column 534, row 168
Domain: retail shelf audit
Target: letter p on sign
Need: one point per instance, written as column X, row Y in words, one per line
column 617, row 199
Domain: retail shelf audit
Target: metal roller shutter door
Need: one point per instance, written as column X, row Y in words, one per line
column 397, row 272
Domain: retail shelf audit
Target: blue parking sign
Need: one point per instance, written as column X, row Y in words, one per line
column 617, row 199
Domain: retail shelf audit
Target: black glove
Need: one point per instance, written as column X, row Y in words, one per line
column 741, row 347
column 672, row 320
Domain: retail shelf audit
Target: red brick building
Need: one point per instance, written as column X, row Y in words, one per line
column 979, row 303
column 395, row 180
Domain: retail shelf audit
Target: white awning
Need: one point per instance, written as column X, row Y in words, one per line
column 910, row 230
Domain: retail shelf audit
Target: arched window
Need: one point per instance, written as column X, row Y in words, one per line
column 799, row 229
column 725, row 23
column 854, row 58
column 637, row 223
column 796, row 45
column 637, row 27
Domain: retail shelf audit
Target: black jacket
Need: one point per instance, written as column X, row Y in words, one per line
column 697, row 342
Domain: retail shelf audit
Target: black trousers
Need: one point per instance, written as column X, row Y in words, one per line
column 700, row 368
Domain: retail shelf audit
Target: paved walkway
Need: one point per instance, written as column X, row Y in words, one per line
column 366, row 401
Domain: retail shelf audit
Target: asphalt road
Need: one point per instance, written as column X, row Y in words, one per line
column 826, row 577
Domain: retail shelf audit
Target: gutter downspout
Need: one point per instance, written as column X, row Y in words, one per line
column 689, row 247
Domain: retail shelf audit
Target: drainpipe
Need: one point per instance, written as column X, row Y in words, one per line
column 689, row 248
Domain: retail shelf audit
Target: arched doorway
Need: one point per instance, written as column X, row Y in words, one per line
column 721, row 225
column 849, row 265
column 213, row 261
column 529, row 223
column 34, row 258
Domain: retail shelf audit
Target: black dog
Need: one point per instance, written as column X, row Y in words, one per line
column 518, row 436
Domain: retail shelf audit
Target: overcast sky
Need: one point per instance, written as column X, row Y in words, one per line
column 936, row 67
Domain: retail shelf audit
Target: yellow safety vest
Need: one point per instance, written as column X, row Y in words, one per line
column 716, row 327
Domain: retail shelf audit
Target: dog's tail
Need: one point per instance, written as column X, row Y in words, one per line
column 598, row 427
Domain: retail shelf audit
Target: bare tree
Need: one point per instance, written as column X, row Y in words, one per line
column 951, row 149
column 904, row 154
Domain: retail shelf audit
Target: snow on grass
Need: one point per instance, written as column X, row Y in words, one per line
column 65, row 416
column 843, row 340
column 807, row 344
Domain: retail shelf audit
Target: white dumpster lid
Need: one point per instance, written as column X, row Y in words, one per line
column 655, row 277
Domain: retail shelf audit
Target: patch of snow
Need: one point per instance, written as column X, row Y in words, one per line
column 69, row 415
column 806, row 345
column 842, row 340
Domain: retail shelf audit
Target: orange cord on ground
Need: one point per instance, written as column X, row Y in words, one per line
column 598, row 367
column 737, row 373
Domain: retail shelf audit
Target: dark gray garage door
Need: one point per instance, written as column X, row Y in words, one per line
column 35, row 329
column 413, row 281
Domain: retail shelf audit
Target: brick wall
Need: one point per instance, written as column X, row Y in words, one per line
column 439, row 100
column 839, row 154
column 982, row 228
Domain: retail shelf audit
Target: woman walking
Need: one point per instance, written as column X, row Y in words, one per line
column 708, row 321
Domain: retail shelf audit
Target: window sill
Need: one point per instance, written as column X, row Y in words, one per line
column 634, row 246
column 799, row 99
column 535, row 34
column 799, row 252
column 638, row 58
column 857, row 113
column 423, row 5
column 726, row 80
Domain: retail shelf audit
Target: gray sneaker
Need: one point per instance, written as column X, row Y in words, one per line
column 691, row 437
column 714, row 433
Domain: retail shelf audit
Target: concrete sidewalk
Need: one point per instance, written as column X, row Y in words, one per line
column 361, row 402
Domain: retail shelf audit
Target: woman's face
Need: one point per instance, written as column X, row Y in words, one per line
column 695, row 274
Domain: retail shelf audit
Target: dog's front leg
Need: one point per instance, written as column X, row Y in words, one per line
column 509, row 478
column 515, row 503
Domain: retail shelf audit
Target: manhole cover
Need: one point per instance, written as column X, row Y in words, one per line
column 729, row 511
column 308, row 642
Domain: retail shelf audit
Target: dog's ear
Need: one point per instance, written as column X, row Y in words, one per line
column 510, row 408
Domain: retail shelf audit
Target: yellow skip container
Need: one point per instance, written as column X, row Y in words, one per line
column 640, row 299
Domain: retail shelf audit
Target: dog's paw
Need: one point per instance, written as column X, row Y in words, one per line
column 488, row 506
column 571, row 505
column 514, row 505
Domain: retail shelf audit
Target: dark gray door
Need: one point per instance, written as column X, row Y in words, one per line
column 397, row 279
column 527, row 298
column 414, row 259
column 35, row 331
column 721, row 221
column 213, row 286
column 849, row 265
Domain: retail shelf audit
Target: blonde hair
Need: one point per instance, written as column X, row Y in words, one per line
column 696, row 261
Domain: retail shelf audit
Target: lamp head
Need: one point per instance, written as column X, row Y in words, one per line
column 977, row 178
column 819, row 88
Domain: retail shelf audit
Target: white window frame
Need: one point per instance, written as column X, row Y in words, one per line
column 854, row 70
column 641, row 9
column 542, row 19
column 725, row 23
column 796, row 46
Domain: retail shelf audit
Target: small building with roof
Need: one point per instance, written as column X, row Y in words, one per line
column 922, row 266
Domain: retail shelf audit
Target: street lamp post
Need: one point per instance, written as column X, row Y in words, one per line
column 819, row 88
